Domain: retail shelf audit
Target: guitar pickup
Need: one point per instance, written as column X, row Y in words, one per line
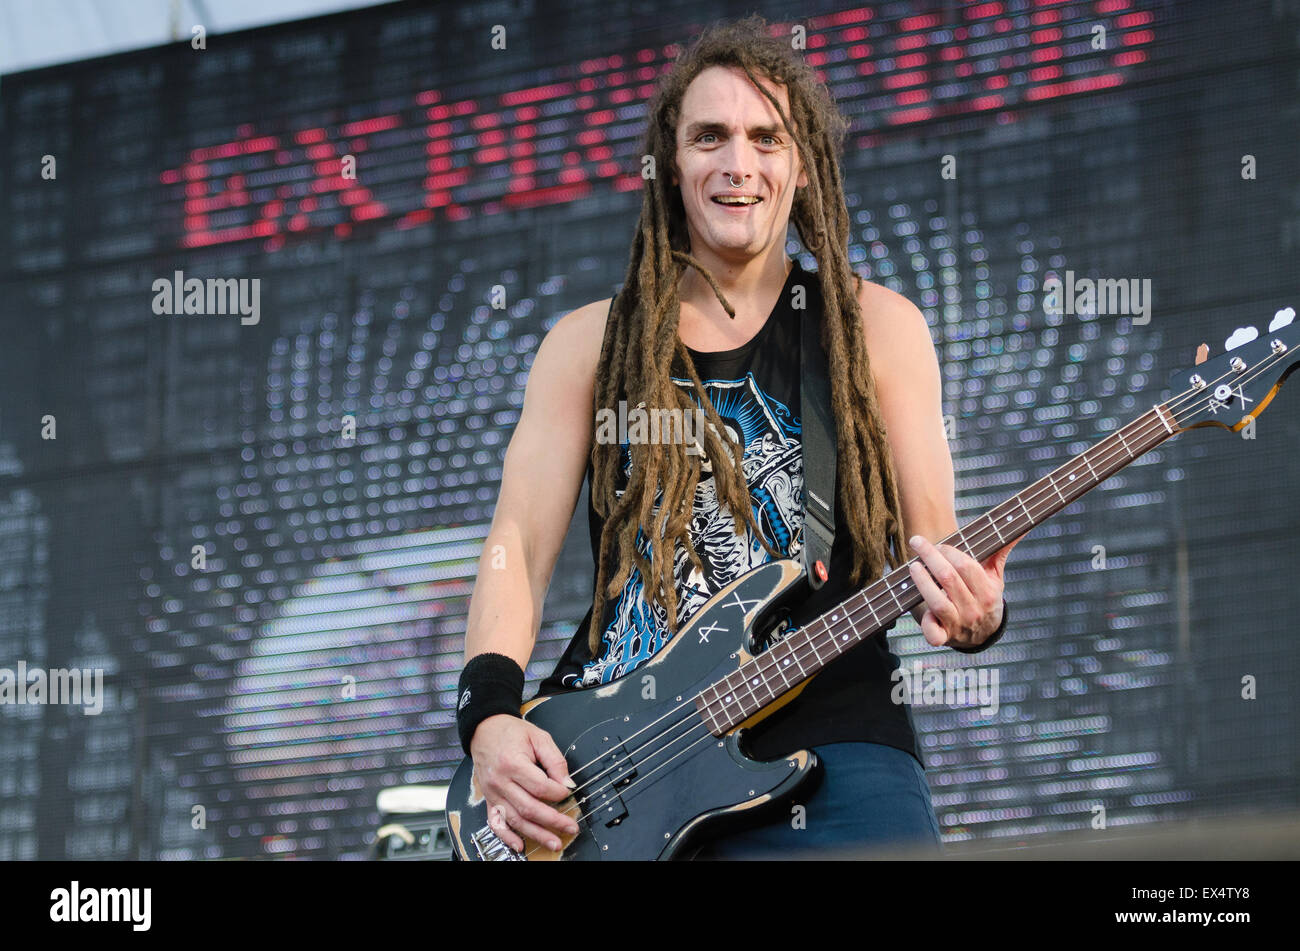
column 606, row 777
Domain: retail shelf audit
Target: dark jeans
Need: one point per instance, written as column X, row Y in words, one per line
column 871, row 796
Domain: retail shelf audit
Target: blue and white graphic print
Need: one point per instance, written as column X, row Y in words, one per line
column 773, row 465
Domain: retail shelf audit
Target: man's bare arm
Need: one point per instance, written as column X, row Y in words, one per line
column 517, row 765
column 962, row 596
column 908, row 388
column 542, row 477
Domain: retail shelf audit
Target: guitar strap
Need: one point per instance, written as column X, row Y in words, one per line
column 819, row 450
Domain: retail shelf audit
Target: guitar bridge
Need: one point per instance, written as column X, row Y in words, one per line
column 490, row 848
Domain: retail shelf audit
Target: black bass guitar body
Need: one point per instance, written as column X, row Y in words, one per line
column 653, row 779
column 658, row 755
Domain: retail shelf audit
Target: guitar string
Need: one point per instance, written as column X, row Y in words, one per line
column 642, row 761
column 626, row 793
column 809, row 641
column 858, row 613
column 864, row 608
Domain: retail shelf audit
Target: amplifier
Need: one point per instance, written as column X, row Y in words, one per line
column 413, row 824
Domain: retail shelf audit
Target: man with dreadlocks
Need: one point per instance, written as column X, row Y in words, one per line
column 706, row 319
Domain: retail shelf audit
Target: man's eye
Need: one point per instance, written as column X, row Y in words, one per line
column 706, row 135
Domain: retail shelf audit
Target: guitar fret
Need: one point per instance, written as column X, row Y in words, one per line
column 1163, row 418
column 707, row 707
column 1025, row 510
column 890, row 588
column 707, row 704
column 756, row 690
column 800, row 663
column 732, row 700
column 830, row 631
column 872, row 608
column 752, row 695
column 778, row 664
column 742, row 705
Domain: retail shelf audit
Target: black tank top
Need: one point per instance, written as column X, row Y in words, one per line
column 755, row 389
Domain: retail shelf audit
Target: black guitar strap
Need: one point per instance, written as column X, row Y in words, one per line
column 819, row 449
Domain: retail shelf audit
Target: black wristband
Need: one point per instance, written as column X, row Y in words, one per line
column 490, row 684
column 991, row 639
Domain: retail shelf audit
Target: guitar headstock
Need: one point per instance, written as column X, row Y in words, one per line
column 1236, row 386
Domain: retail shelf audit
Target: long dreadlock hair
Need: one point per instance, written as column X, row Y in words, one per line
column 641, row 339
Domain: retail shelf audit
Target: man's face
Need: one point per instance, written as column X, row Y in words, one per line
column 728, row 128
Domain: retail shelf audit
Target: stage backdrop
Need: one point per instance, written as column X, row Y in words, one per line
column 278, row 601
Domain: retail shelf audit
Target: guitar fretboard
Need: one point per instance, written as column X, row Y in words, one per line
column 801, row 654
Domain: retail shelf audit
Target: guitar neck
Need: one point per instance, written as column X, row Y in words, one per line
column 765, row 678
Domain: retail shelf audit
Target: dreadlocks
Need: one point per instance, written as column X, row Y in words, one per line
column 641, row 341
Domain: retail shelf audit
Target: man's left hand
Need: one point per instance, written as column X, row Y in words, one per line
column 964, row 607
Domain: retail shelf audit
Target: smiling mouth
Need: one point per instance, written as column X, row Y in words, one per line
column 750, row 203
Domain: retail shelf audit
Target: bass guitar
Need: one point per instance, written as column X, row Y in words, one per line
column 655, row 777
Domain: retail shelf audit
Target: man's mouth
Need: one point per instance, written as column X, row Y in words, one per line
column 736, row 201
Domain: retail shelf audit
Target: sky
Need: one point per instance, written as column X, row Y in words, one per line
column 35, row 33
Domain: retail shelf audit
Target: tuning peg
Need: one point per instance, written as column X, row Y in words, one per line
column 1239, row 336
column 1202, row 353
column 1281, row 318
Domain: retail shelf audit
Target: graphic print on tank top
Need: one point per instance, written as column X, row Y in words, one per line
column 773, row 466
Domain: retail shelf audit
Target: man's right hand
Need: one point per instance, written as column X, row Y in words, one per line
column 518, row 769
column 518, row 765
